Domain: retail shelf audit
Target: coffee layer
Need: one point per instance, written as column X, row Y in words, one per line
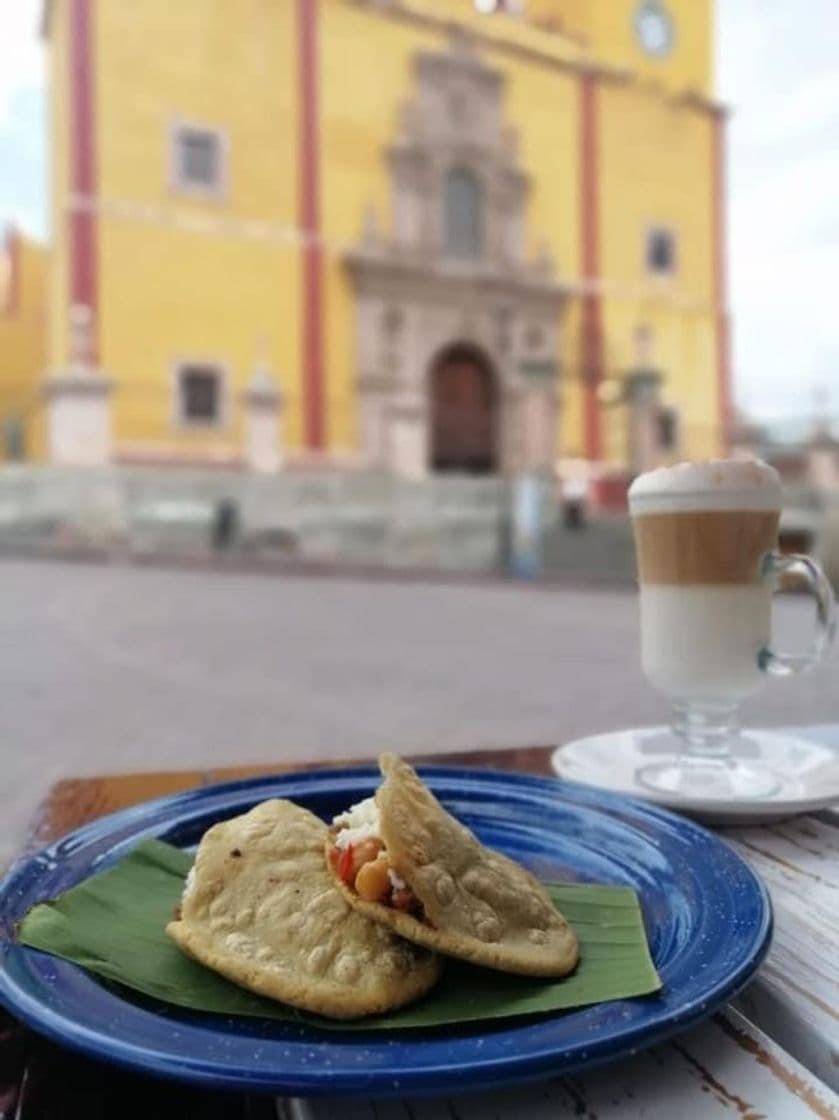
column 703, row 546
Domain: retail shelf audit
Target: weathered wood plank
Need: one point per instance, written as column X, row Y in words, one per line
column 723, row 1068
column 795, row 998
column 75, row 801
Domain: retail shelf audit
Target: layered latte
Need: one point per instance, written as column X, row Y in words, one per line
column 701, row 532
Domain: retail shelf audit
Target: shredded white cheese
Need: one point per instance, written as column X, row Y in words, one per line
column 396, row 881
column 359, row 822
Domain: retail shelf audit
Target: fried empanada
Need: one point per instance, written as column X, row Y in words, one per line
column 261, row 908
column 432, row 881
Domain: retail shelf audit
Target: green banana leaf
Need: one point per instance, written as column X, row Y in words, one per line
column 113, row 925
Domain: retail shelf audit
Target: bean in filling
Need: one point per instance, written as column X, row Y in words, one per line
column 366, row 868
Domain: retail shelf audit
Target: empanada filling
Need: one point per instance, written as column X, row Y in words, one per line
column 360, row 859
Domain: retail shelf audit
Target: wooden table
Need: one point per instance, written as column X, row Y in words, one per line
column 775, row 1054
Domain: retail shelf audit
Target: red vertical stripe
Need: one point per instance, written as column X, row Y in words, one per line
column 83, row 258
column 720, row 278
column 592, row 328
column 309, row 221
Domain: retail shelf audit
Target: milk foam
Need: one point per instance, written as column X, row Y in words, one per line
column 712, row 484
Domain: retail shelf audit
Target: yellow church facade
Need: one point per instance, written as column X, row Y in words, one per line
column 422, row 235
column 23, row 322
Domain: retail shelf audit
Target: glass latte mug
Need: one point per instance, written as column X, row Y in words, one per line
column 706, row 544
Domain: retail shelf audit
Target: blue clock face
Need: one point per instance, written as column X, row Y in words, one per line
column 654, row 28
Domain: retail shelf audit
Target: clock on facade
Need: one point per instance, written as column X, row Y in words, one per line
column 654, row 28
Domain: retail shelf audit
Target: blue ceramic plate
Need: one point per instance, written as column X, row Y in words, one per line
column 708, row 919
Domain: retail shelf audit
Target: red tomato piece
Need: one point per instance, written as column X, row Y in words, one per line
column 345, row 864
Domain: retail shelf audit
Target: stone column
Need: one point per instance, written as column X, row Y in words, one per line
column 823, row 461
column 511, row 424
column 374, row 393
column 537, row 406
column 540, row 429
column 78, row 403
column 407, row 438
column 744, row 440
column 263, row 403
column 643, row 387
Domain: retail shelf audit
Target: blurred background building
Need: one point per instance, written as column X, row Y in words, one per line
column 424, row 235
column 335, row 274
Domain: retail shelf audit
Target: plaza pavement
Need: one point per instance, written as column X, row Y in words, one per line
column 107, row 668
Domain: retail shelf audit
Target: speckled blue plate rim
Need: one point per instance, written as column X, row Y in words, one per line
column 703, row 964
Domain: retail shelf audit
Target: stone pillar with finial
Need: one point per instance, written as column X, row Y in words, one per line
column 823, row 447
column 643, row 396
column 79, row 402
column 263, row 404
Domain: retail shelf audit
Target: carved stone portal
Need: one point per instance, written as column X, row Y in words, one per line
column 452, row 277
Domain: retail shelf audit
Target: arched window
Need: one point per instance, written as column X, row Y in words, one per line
column 463, row 213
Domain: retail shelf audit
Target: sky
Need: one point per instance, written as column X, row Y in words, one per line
column 776, row 67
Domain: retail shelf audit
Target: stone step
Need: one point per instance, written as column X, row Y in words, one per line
column 601, row 549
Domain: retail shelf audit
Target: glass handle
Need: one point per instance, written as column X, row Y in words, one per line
column 774, row 567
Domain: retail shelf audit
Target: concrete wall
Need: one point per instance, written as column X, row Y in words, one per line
column 365, row 518
column 442, row 523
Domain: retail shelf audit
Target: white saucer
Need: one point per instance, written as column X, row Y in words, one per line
column 807, row 773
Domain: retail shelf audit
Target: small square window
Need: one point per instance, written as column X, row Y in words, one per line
column 200, row 392
column 198, row 159
column 661, row 251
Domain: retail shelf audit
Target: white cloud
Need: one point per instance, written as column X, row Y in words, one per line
column 21, row 52
column 777, row 70
column 23, row 185
column 811, row 107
